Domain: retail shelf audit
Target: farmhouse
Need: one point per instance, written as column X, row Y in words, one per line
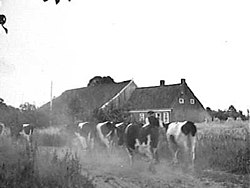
column 174, row 102
column 171, row 102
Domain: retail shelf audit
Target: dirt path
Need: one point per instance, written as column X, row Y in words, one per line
column 114, row 171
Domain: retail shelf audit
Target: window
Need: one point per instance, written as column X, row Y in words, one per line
column 141, row 117
column 166, row 117
column 181, row 100
column 191, row 101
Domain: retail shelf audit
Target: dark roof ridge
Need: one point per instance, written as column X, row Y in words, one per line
column 75, row 89
column 159, row 86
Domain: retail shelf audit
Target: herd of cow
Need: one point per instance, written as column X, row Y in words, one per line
column 138, row 138
column 135, row 137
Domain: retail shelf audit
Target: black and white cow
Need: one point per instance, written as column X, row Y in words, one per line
column 139, row 139
column 27, row 131
column 86, row 133
column 181, row 135
column 106, row 133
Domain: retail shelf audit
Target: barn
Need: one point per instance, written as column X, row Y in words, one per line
column 175, row 102
column 80, row 103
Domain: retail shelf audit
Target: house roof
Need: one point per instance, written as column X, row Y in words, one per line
column 153, row 97
column 88, row 98
column 157, row 97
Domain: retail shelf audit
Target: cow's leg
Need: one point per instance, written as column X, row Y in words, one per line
column 186, row 151
column 193, row 144
column 175, row 159
column 89, row 141
column 92, row 143
column 106, row 142
column 174, row 149
column 131, row 156
column 83, row 143
column 154, row 153
column 152, row 160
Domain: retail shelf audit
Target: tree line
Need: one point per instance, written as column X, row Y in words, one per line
column 14, row 118
column 224, row 115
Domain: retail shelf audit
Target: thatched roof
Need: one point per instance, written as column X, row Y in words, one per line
column 87, row 98
column 157, row 97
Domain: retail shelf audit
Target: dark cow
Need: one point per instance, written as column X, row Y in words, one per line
column 86, row 134
column 106, row 132
column 27, row 131
column 181, row 135
column 139, row 139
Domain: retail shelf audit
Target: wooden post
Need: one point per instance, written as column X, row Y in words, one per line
column 51, row 103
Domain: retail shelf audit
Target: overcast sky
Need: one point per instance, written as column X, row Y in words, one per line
column 205, row 42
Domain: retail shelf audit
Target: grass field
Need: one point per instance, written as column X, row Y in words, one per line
column 224, row 146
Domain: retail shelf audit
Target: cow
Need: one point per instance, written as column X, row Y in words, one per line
column 181, row 135
column 86, row 134
column 106, row 133
column 139, row 139
column 27, row 131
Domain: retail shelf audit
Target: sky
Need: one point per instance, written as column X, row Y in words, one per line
column 205, row 42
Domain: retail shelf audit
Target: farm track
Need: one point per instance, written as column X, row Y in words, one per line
column 139, row 177
column 113, row 171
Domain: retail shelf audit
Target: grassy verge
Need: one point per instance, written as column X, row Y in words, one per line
column 23, row 166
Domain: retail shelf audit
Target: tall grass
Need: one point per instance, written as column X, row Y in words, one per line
column 23, row 166
column 224, row 146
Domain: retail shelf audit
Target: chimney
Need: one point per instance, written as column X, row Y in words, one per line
column 183, row 81
column 162, row 82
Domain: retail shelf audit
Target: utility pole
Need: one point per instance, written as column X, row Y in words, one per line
column 51, row 95
column 51, row 103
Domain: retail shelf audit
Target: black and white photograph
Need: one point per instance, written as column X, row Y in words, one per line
column 124, row 93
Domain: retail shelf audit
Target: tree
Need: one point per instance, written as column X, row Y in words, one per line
column 232, row 112
column 97, row 80
column 225, row 114
column 232, row 109
column 28, row 113
column 27, row 107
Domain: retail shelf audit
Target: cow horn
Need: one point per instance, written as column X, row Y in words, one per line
column 26, row 125
column 118, row 124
